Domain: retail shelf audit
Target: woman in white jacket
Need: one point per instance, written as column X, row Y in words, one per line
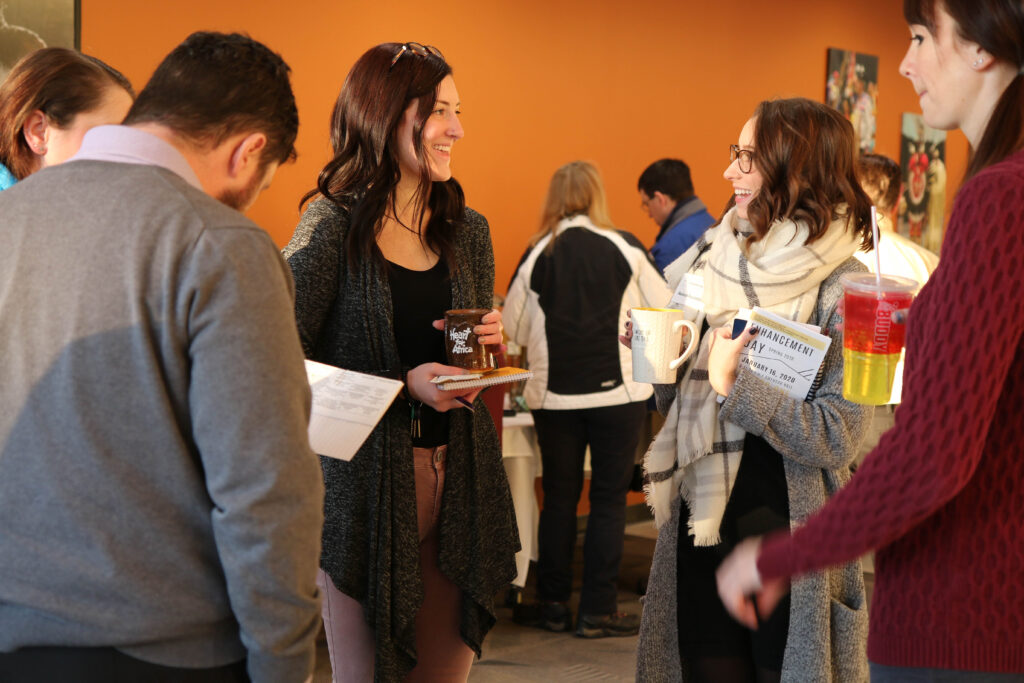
column 567, row 301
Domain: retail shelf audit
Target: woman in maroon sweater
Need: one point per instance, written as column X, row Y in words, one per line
column 941, row 496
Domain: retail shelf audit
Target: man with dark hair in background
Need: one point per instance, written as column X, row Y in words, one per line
column 666, row 193
column 160, row 505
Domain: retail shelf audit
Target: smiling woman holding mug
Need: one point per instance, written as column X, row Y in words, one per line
column 419, row 532
column 738, row 456
column 940, row 496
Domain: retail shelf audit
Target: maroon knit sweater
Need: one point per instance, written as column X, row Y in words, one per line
column 942, row 496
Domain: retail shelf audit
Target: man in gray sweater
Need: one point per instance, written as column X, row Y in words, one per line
column 160, row 507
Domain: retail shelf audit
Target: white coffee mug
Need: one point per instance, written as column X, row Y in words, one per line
column 657, row 338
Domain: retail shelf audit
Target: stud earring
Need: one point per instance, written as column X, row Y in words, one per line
column 978, row 62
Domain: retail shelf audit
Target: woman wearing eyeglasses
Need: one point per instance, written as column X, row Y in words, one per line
column 738, row 457
column 419, row 532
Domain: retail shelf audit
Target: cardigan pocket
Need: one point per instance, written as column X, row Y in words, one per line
column 848, row 631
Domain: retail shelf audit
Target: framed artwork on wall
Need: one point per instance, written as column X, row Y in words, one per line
column 923, row 199
column 27, row 25
column 851, row 86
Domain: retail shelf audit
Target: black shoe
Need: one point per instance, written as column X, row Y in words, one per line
column 605, row 625
column 550, row 616
column 514, row 597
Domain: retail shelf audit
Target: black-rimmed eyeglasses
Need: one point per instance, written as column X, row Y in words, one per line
column 416, row 49
column 745, row 156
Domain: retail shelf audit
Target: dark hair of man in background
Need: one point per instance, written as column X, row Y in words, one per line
column 213, row 86
column 671, row 177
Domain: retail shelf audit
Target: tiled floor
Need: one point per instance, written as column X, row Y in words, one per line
column 514, row 654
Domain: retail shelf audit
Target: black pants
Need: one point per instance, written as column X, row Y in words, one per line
column 612, row 433
column 103, row 665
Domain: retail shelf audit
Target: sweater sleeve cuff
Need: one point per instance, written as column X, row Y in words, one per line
column 751, row 403
column 773, row 562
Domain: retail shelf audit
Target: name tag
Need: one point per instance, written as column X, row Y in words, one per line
column 689, row 296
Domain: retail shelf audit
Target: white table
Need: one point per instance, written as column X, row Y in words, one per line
column 521, row 457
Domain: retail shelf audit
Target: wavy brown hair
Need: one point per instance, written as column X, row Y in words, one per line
column 998, row 27
column 806, row 156
column 363, row 175
column 57, row 81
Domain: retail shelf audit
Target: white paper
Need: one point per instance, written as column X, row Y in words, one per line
column 784, row 353
column 346, row 407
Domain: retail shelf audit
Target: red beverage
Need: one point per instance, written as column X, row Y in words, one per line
column 872, row 342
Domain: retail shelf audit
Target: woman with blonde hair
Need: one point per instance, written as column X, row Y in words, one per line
column 579, row 267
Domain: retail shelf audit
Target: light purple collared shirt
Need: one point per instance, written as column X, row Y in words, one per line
column 127, row 145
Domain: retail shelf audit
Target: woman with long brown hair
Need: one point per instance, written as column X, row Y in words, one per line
column 940, row 496
column 47, row 103
column 738, row 456
column 419, row 532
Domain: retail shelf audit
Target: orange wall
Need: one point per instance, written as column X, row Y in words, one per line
column 544, row 82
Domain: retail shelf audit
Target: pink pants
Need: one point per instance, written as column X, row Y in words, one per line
column 442, row 655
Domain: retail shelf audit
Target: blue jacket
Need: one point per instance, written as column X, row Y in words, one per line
column 685, row 224
column 6, row 178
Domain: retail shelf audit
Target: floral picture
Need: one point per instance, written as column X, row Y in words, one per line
column 852, row 88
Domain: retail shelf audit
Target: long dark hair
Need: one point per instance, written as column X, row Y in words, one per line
column 997, row 26
column 57, row 81
column 806, row 155
column 363, row 175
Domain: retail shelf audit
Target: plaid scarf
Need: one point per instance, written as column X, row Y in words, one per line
column 696, row 453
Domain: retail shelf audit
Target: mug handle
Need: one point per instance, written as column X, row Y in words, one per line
column 690, row 348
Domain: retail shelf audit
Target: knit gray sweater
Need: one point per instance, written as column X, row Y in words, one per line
column 157, row 490
column 817, row 439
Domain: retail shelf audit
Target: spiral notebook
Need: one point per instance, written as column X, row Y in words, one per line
column 481, row 379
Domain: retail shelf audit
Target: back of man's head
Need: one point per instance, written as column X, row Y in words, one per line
column 671, row 177
column 216, row 85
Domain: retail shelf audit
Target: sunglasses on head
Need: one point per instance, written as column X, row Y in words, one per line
column 416, row 49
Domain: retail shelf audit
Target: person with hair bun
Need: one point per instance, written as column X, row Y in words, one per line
column 738, row 456
column 420, row 532
column 939, row 499
column 47, row 103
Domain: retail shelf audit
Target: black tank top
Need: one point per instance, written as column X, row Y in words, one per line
column 418, row 297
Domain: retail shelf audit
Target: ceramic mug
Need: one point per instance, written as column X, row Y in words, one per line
column 657, row 338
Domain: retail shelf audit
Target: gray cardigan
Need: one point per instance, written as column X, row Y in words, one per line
column 370, row 538
column 817, row 439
